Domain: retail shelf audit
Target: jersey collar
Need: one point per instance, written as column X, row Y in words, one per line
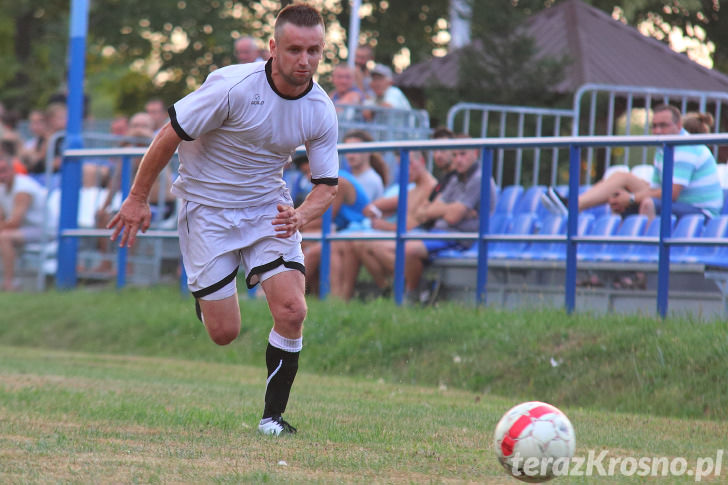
column 268, row 71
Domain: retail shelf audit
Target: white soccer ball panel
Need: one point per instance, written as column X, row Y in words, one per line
column 533, row 430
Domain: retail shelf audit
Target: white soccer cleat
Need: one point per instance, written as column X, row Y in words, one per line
column 275, row 426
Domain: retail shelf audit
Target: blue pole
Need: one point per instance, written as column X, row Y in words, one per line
column 484, row 227
column 122, row 255
column 663, row 262
column 71, row 168
column 401, row 227
column 572, row 223
column 325, row 263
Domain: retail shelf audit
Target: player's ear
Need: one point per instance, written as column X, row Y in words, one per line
column 272, row 46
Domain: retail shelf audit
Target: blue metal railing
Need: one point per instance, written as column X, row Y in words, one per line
column 400, row 235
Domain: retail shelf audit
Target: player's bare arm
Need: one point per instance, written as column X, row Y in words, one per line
column 289, row 220
column 135, row 214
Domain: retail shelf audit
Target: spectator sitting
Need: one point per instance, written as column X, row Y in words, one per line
column 455, row 209
column 33, row 147
column 22, row 211
column 346, row 209
column 298, row 180
column 695, row 190
column 368, row 167
column 11, row 147
column 698, row 123
column 378, row 256
column 140, row 134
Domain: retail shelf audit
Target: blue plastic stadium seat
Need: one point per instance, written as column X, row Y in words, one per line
column 522, row 224
column 632, row 226
column 647, row 253
column 725, row 202
column 602, row 227
column 687, row 226
column 530, row 201
column 507, row 199
column 550, row 225
column 714, row 228
column 496, row 225
column 557, row 251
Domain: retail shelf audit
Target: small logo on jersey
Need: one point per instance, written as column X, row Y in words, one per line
column 257, row 100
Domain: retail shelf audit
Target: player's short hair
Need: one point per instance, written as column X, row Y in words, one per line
column 300, row 15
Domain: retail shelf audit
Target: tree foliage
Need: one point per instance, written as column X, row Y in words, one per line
column 137, row 48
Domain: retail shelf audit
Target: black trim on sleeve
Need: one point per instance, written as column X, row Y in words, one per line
column 326, row 181
column 214, row 287
column 259, row 270
column 175, row 124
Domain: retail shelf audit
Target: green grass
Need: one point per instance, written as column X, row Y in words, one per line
column 673, row 367
column 125, row 387
column 69, row 417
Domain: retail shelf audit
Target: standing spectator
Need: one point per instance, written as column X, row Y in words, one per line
column 386, row 94
column 345, row 91
column 246, row 50
column 119, row 125
column 367, row 167
column 235, row 133
column 363, row 56
column 22, row 206
column 157, row 110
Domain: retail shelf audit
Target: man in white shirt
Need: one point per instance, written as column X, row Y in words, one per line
column 386, row 94
column 235, row 134
column 22, row 205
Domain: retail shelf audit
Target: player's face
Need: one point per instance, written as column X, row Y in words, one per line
column 296, row 54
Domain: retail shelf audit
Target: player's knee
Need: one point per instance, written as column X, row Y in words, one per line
column 224, row 335
column 291, row 312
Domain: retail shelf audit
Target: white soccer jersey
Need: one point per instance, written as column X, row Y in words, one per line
column 238, row 133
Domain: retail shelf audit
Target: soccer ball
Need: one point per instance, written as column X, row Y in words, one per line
column 533, row 441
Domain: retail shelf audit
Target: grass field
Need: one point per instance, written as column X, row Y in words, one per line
column 124, row 387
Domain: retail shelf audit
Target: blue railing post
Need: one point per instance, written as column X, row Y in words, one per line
column 121, row 256
column 663, row 261
column 71, row 167
column 481, row 293
column 572, row 223
column 325, row 263
column 401, row 227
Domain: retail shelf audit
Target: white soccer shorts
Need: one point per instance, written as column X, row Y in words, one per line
column 215, row 241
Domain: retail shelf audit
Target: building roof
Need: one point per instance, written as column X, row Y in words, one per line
column 602, row 50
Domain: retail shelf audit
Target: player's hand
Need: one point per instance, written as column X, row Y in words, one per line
column 287, row 221
column 133, row 216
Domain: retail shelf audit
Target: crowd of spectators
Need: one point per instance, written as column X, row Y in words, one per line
column 443, row 192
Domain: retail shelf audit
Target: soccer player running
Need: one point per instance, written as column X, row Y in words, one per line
column 235, row 133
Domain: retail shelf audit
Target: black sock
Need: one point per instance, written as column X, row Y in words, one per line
column 282, row 368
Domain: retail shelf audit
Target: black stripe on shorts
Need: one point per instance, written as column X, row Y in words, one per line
column 259, row 270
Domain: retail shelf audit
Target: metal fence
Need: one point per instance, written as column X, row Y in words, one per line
column 597, row 109
column 574, row 145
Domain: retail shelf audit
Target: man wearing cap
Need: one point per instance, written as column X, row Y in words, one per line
column 385, row 94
